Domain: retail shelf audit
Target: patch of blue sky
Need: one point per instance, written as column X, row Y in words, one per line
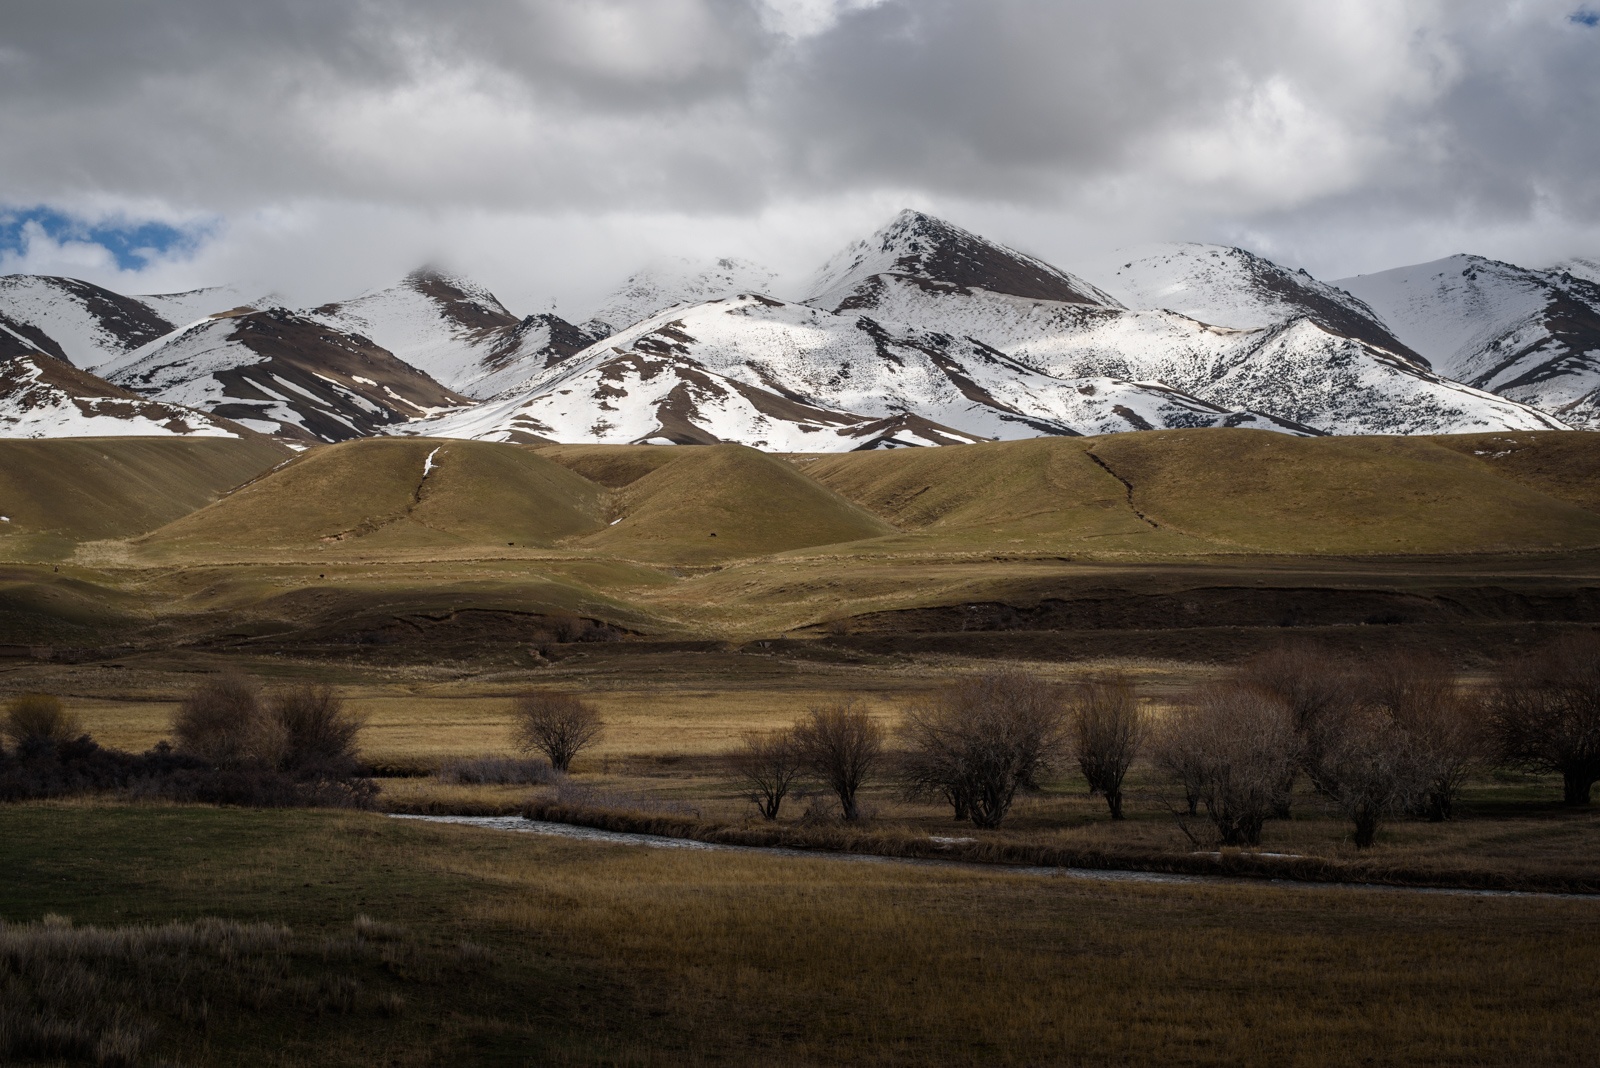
column 1585, row 16
column 132, row 243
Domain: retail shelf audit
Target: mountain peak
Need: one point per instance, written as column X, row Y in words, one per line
column 1232, row 287
column 938, row 254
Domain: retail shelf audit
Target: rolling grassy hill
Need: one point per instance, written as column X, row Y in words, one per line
column 380, row 494
column 361, row 538
column 57, row 492
column 722, row 502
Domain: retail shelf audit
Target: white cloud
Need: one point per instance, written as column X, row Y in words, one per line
column 550, row 146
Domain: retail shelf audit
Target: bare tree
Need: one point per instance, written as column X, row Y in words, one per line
column 222, row 721
column 1546, row 713
column 320, row 734
column 1445, row 729
column 1108, row 729
column 978, row 740
column 1232, row 746
column 558, row 725
column 39, row 721
column 769, row 765
column 1317, row 687
column 1369, row 768
column 843, row 746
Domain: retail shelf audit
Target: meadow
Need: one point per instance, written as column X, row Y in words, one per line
column 697, row 594
column 585, row 954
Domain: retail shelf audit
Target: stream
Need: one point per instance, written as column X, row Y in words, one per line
column 517, row 824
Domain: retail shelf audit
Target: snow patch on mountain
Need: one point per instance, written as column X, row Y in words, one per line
column 42, row 397
column 1228, row 286
column 1579, row 267
column 187, row 307
column 1531, row 336
column 77, row 322
column 280, row 372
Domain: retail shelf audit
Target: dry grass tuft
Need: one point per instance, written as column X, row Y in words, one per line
column 110, row 995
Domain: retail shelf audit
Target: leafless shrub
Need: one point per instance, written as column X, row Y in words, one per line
column 1546, row 713
column 1232, row 747
column 768, row 764
column 1444, row 726
column 223, row 722
column 978, row 740
column 39, row 721
column 1317, row 687
column 843, row 746
column 1369, row 768
column 319, row 734
column 1108, row 730
column 499, row 771
column 558, row 725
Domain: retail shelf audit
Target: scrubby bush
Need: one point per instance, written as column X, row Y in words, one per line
column 498, row 771
column 978, row 740
column 1318, row 688
column 1232, row 747
column 1546, row 713
column 224, row 722
column 1370, row 769
column 768, row 765
column 1108, row 729
column 1445, row 728
column 82, row 767
column 319, row 735
column 558, row 725
column 39, row 721
column 844, row 747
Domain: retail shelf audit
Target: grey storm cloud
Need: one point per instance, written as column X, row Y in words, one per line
column 1229, row 116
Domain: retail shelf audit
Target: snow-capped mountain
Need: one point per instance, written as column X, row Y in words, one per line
column 280, row 372
column 793, row 377
column 1530, row 336
column 43, row 397
column 77, row 322
column 1227, row 286
column 1286, row 362
column 675, row 284
column 456, row 332
column 922, row 333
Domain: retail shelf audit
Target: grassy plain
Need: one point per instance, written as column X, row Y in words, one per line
column 430, row 580
column 624, row 955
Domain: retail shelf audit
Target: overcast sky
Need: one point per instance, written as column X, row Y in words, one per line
column 548, row 147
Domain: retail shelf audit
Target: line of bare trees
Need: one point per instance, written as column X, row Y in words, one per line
column 1389, row 736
